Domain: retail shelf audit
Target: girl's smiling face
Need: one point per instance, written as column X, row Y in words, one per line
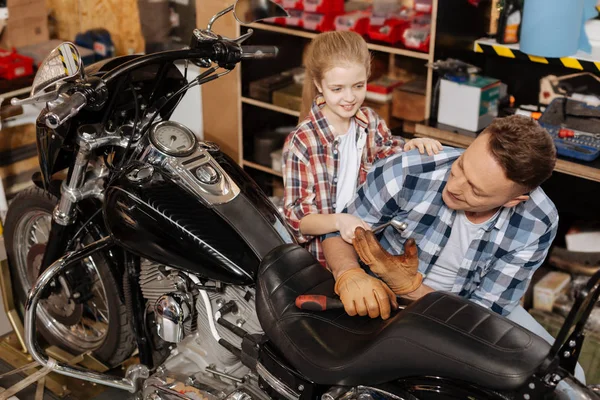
column 344, row 89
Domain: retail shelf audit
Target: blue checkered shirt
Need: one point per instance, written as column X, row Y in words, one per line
column 500, row 261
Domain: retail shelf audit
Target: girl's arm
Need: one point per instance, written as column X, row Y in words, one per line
column 320, row 224
column 299, row 196
column 386, row 144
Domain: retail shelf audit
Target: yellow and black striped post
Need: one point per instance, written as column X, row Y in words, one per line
column 505, row 51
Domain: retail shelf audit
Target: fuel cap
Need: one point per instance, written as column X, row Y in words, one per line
column 207, row 174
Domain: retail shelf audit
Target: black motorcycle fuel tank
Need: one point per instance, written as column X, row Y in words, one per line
column 160, row 219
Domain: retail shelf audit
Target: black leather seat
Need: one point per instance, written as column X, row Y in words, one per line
column 440, row 334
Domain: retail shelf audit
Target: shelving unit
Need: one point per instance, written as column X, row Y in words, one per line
column 262, row 168
column 310, row 35
column 268, row 106
column 223, row 119
column 392, row 52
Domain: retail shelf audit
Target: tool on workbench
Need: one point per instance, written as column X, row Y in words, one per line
column 569, row 133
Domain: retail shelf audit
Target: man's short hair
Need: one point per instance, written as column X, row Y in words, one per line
column 523, row 148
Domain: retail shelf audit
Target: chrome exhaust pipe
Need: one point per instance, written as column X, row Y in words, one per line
column 133, row 374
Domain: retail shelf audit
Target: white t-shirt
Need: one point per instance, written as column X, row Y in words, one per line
column 349, row 155
column 443, row 273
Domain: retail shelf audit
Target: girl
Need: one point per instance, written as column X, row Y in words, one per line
column 327, row 157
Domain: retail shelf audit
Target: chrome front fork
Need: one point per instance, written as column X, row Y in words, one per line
column 78, row 187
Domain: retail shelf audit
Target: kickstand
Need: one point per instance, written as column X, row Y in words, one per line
column 39, row 377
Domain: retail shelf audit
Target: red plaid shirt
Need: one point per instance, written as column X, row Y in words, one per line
column 311, row 165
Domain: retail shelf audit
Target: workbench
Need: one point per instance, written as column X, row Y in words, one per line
column 585, row 170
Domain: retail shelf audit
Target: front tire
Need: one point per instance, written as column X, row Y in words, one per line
column 99, row 323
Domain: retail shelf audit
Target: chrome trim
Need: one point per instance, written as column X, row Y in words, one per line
column 337, row 392
column 223, row 374
column 276, row 384
column 361, row 389
column 217, row 16
column 62, row 218
column 130, row 383
column 172, row 310
column 571, row 388
column 90, row 143
column 65, row 210
column 92, row 188
column 222, row 191
column 205, row 36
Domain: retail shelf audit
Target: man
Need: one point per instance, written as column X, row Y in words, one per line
column 480, row 221
column 479, row 225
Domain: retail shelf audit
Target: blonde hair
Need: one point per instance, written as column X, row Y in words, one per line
column 326, row 51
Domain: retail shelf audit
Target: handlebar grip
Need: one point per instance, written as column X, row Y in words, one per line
column 259, row 51
column 62, row 112
column 315, row 302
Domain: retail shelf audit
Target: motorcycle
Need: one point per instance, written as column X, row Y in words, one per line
column 158, row 242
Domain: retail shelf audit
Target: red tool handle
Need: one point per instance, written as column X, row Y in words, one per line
column 315, row 302
column 566, row 133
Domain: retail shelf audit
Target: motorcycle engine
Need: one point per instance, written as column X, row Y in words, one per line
column 198, row 362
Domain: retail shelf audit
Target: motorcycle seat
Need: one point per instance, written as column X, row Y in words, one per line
column 440, row 334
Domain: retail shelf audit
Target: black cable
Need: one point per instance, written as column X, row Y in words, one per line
column 135, row 122
column 72, row 241
column 112, row 102
column 199, row 80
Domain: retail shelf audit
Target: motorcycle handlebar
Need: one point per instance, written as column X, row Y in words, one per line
column 259, row 52
column 64, row 111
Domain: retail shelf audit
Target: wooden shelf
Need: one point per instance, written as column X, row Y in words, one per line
column 271, row 107
column 458, row 140
column 262, row 168
column 310, row 35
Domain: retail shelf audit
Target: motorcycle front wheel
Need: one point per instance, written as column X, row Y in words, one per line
column 97, row 321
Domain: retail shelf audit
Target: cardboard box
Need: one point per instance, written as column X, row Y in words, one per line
column 409, row 101
column 470, row 105
column 262, row 89
column 382, row 108
column 27, row 23
column 289, row 97
column 548, row 289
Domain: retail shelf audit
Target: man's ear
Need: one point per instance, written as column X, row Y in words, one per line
column 516, row 200
column 319, row 89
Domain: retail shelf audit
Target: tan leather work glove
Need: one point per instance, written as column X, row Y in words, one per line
column 363, row 294
column 399, row 272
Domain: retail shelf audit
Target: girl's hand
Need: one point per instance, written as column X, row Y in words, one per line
column 431, row 145
column 347, row 223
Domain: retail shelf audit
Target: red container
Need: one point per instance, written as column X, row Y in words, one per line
column 390, row 32
column 293, row 4
column 14, row 65
column 318, row 22
column 423, row 6
column 324, row 6
column 295, row 18
column 418, row 34
column 357, row 21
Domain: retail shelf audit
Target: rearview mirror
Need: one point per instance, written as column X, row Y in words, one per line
column 63, row 63
column 248, row 11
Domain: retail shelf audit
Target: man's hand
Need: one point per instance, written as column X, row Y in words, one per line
column 363, row 294
column 399, row 272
